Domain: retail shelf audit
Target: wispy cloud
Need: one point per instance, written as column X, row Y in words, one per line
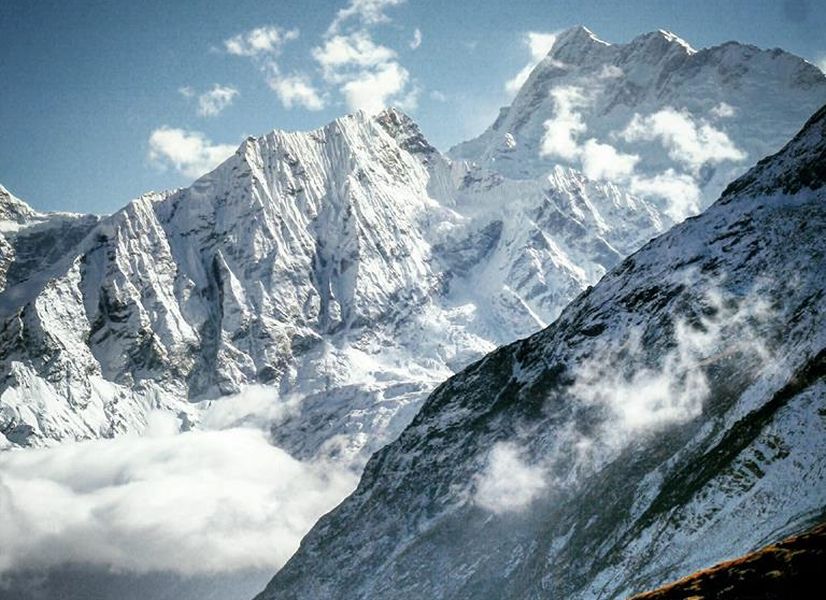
column 563, row 129
column 212, row 102
column 363, row 13
column 417, row 39
column 539, row 45
column 188, row 152
column 508, row 483
column 267, row 40
column 624, row 392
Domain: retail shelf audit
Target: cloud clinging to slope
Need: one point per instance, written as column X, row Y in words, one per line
column 508, row 483
column 539, row 44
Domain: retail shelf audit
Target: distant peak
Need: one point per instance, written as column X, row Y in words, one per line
column 13, row 208
column 577, row 35
column 575, row 43
column 664, row 38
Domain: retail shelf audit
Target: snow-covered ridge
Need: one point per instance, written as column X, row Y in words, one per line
column 341, row 266
column 671, row 417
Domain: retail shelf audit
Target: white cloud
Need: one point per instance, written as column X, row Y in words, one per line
column 641, row 394
column 371, row 91
column 723, row 111
column 417, row 39
column 189, row 152
column 363, row 13
column 821, row 63
column 196, row 502
column 539, row 45
column 604, row 162
column 296, row 90
column 212, row 102
column 679, row 190
column 438, row 96
column 260, row 41
column 342, row 56
column 562, row 131
column 508, row 483
column 186, row 91
column 687, row 141
column 367, row 74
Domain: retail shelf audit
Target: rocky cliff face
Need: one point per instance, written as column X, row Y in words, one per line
column 670, row 418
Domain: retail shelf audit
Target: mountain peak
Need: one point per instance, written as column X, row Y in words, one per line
column 573, row 43
column 664, row 39
column 13, row 208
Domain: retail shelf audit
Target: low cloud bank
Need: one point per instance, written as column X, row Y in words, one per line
column 194, row 503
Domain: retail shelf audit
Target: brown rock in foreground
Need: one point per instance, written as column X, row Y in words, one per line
column 793, row 568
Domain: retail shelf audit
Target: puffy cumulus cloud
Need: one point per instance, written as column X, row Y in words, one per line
column 363, row 13
column 370, row 91
column 688, row 141
column 260, row 41
column 212, row 102
column 604, row 162
column 189, row 152
column 417, row 39
column 296, row 90
column 195, row 502
column 344, row 56
column 563, row 129
column 679, row 190
column 539, row 45
column 508, row 483
column 367, row 74
column 598, row 160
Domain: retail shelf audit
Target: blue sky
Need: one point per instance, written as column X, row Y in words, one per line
column 102, row 101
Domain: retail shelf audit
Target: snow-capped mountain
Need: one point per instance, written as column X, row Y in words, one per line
column 665, row 119
column 352, row 268
column 670, row 418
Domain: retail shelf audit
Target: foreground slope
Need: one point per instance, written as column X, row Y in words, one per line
column 792, row 568
column 672, row 417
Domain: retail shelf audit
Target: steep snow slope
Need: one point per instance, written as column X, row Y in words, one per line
column 672, row 417
column 341, row 267
column 687, row 115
